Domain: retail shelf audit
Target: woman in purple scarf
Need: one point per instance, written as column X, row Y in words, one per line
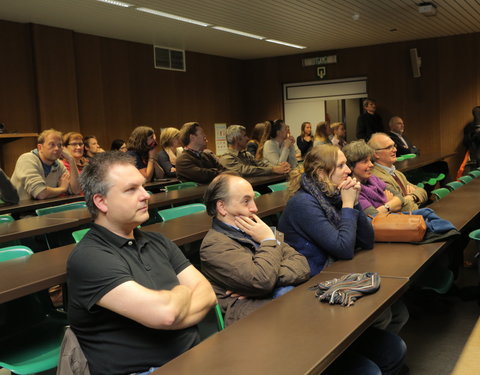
column 375, row 197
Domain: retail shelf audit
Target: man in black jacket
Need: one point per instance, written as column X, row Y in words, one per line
column 402, row 143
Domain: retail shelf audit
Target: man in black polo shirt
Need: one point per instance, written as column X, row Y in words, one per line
column 134, row 299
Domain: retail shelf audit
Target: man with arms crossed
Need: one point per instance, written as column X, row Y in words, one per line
column 39, row 174
column 385, row 157
column 134, row 299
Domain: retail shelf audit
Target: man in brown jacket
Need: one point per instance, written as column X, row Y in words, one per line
column 246, row 261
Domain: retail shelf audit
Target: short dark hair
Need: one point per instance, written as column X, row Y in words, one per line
column 276, row 126
column 117, row 144
column 217, row 191
column 94, row 177
column 188, row 129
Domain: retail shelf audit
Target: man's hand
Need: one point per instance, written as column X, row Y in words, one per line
column 388, row 195
column 411, row 188
column 281, row 168
column 255, row 228
column 231, row 293
column 64, row 181
column 67, row 156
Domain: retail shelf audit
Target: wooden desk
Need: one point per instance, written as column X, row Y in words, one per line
column 294, row 334
column 33, row 204
column 420, row 161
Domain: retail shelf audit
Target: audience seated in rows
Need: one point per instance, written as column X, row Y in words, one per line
column 375, row 196
column 73, row 142
column 241, row 161
column 118, row 145
column 339, row 134
column 324, row 194
column 369, row 121
column 134, row 299
column 141, row 146
column 167, row 156
column 247, row 262
column 91, row 145
column 8, row 193
column 277, row 146
column 39, row 174
column 384, row 168
column 322, row 132
column 257, row 133
column 305, row 139
column 402, row 143
column 195, row 163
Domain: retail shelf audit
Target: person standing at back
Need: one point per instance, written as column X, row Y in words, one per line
column 369, row 121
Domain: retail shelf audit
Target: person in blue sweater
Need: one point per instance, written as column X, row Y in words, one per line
column 323, row 220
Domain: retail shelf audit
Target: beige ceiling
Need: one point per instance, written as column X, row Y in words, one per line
column 317, row 24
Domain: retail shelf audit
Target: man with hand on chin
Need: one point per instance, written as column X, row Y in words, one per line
column 246, row 261
column 134, row 299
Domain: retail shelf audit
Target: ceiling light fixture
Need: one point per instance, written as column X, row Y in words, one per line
column 285, row 43
column 172, row 16
column 248, row 35
column 117, row 3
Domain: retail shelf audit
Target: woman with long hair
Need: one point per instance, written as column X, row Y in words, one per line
column 279, row 147
column 167, row 156
column 141, row 145
column 321, row 134
column 255, row 138
column 73, row 142
column 339, row 134
column 305, row 139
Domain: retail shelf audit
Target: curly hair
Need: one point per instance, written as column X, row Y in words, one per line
column 138, row 139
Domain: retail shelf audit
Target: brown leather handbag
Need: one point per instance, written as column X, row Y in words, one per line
column 399, row 227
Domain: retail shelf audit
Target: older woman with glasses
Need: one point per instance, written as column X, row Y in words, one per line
column 375, row 196
column 73, row 144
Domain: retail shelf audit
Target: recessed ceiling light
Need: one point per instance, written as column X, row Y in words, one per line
column 117, row 3
column 285, row 43
column 172, row 16
column 238, row 32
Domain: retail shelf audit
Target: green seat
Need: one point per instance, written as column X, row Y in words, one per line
column 219, row 315
column 431, row 181
column 421, row 185
column 465, row 179
column 5, row 218
column 400, row 158
column 475, row 235
column 256, row 193
column 440, row 193
column 79, row 234
column 8, row 219
column 454, row 185
column 173, row 213
column 475, row 173
column 409, row 156
column 32, row 330
column 440, row 282
column 440, row 177
column 180, row 186
column 278, row 187
column 61, row 208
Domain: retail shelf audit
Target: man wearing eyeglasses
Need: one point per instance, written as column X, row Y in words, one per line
column 40, row 175
column 385, row 156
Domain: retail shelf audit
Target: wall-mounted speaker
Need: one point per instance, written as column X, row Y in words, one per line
column 416, row 63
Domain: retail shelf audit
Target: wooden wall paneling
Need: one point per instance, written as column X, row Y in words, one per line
column 91, row 103
column 56, row 78
column 18, row 110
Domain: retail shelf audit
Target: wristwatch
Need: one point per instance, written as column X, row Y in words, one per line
column 387, row 207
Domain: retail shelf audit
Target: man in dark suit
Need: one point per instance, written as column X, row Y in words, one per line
column 402, row 143
column 369, row 121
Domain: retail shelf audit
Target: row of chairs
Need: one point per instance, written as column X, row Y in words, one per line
column 451, row 186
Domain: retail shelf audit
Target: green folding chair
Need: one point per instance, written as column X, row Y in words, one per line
column 180, row 186
column 219, row 315
column 401, row 158
column 453, row 185
column 173, row 213
column 256, row 193
column 79, row 234
column 421, row 185
column 440, row 193
column 6, row 219
column 409, row 156
column 465, row 179
column 32, row 330
column 475, row 173
column 278, row 187
column 61, row 208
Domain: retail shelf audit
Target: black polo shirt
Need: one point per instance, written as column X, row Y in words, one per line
column 114, row 344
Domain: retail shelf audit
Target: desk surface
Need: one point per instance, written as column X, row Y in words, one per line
column 294, row 334
column 33, row 204
column 420, row 161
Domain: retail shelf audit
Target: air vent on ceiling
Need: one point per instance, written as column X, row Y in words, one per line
column 170, row 59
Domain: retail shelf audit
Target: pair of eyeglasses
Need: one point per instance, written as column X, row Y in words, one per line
column 389, row 148
column 76, row 144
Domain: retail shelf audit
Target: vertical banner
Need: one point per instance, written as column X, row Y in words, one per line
column 220, row 139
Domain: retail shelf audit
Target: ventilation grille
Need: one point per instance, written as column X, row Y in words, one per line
column 169, row 59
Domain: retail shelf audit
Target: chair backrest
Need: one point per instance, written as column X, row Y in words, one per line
column 440, row 193
column 440, row 177
column 13, row 252
column 79, row 234
column 465, row 179
column 421, row 185
column 454, row 185
column 219, row 315
column 278, row 187
column 409, row 156
column 5, row 218
column 173, row 213
column 475, row 173
column 180, row 186
column 61, row 208
column 256, row 193
column 475, row 235
column 400, row 158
